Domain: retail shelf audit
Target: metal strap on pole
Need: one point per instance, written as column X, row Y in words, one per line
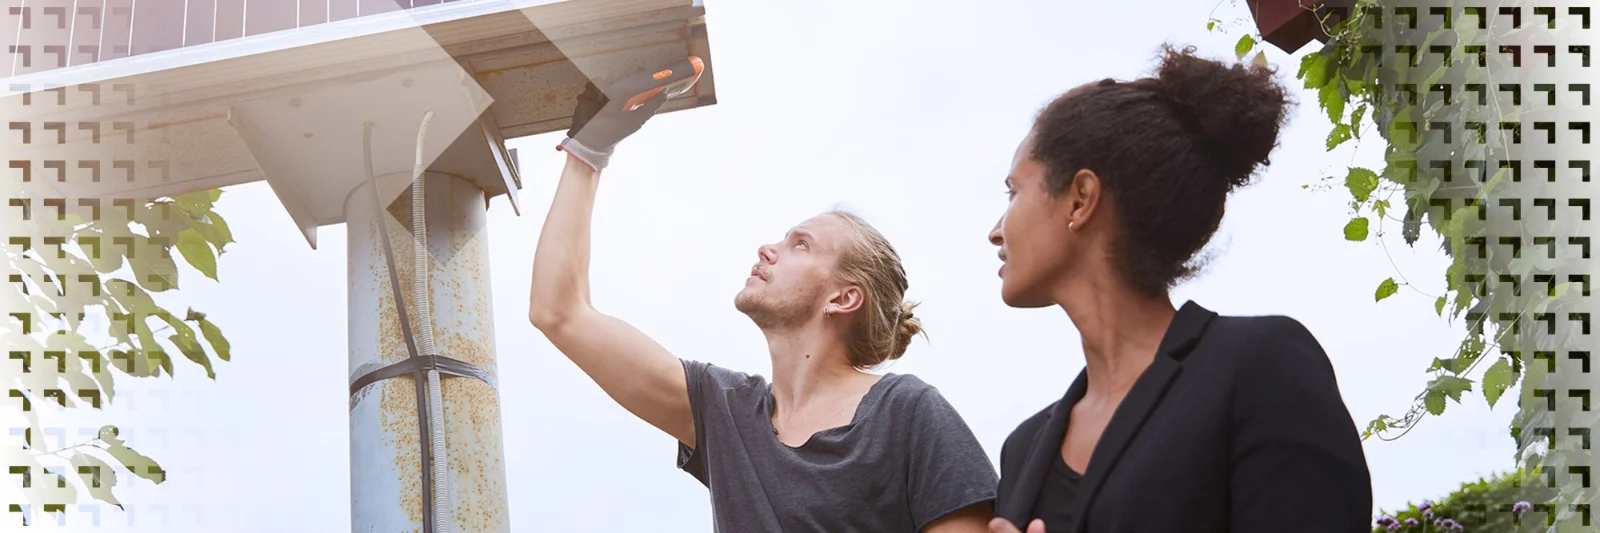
column 417, row 365
column 422, row 363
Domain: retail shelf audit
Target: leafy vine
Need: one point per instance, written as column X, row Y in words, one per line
column 1418, row 77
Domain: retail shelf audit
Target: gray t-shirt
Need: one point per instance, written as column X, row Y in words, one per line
column 906, row 459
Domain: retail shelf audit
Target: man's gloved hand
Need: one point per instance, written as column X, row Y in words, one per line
column 599, row 123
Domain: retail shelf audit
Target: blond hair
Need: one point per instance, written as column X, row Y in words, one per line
column 885, row 326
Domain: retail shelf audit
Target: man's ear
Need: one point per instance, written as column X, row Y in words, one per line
column 846, row 300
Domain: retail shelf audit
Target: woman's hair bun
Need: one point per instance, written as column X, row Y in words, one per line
column 1236, row 110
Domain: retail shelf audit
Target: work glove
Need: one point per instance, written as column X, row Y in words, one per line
column 599, row 122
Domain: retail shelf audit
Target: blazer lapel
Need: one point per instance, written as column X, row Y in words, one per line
column 1186, row 328
column 1018, row 506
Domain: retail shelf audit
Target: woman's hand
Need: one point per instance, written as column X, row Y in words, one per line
column 1001, row 525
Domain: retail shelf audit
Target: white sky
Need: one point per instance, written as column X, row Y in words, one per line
column 905, row 111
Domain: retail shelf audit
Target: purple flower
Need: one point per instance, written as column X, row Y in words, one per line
column 1429, row 515
column 1425, row 506
column 1394, row 526
column 1411, row 521
column 1449, row 524
column 1521, row 507
column 1386, row 520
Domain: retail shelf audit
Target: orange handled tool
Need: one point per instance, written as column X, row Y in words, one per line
column 674, row 79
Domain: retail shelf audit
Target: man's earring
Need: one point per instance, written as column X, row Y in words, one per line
column 826, row 312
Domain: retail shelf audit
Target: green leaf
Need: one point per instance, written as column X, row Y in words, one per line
column 1356, row 230
column 1314, row 70
column 1245, row 44
column 213, row 229
column 1450, row 386
column 150, row 349
column 1353, row 86
column 221, row 226
column 197, row 252
column 1464, row 294
column 1468, row 353
column 98, row 476
column 1438, row 306
column 1434, row 401
column 163, row 361
column 1381, row 207
column 1361, row 182
column 1332, row 97
column 191, row 349
column 1452, row 365
column 1411, row 225
column 183, row 338
column 1386, row 289
column 135, row 462
column 153, row 268
column 213, row 335
column 1355, row 120
column 1496, row 380
column 161, row 220
column 1211, row 25
column 1338, row 136
column 133, row 300
column 1377, row 425
column 1472, row 347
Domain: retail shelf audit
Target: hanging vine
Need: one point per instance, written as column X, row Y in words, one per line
column 1440, row 84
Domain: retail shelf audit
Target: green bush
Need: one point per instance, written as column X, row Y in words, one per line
column 1505, row 503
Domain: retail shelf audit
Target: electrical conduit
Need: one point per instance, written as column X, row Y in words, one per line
column 419, row 232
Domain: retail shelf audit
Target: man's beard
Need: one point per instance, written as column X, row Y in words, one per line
column 773, row 312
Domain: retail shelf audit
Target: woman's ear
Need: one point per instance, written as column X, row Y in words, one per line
column 1083, row 198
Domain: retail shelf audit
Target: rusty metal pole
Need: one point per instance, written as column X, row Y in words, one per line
column 386, row 478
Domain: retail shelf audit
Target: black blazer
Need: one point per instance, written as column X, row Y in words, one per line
column 1236, row 426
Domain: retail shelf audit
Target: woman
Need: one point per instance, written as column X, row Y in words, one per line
column 1182, row 420
column 823, row 445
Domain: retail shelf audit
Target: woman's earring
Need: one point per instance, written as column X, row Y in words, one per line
column 826, row 312
column 1069, row 225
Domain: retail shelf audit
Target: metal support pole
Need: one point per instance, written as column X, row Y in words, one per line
column 386, row 455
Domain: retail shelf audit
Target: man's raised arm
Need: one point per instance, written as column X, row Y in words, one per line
column 633, row 369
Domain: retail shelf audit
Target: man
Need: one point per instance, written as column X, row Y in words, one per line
column 823, row 446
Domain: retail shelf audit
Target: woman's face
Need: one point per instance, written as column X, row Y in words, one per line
column 1037, row 249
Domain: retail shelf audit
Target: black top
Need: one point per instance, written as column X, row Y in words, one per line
column 1057, row 496
column 1236, row 426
